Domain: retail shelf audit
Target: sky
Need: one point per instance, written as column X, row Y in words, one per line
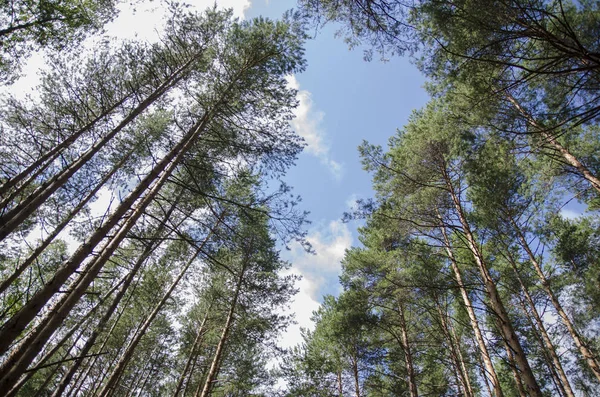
column 343, row 100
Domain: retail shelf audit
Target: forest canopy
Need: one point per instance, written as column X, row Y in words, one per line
column 468, row 279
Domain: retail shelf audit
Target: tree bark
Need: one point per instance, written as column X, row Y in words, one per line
column 60, row 227
column 216, row 362
column 588, row 356
column 111, row 383
column 515, row 371
column 195, row 347
column 553, row 142
column 504, row 321
column 408, row 359
column 485, row 355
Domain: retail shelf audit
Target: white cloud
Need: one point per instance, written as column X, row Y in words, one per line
column 351, row 202
column 142, row 21
column 319, row 272
column 307, row 124
column 570, row 214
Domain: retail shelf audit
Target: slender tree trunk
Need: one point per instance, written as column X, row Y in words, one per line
column 47, row 158
column 461, row 359
column 111, row 383
column 59, row 228
column 408, row 359
column 505, row 323
column 588, row 356
column 159, row 174
column 555, row 377
column 25, row 355
column 485, row 355
column 41, row 363
column 563, row 381
column 515, row 371
column 553, row 142
column 356, row 377
column 74, row 390
column 339, row 383
column 462, row 378
column 216, row 362
column 195, row 347
column 14, row 217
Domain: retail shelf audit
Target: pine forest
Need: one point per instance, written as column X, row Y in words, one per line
column 146, row 218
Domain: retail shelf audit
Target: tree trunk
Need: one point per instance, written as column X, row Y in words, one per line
column 339, row 383
column 461, row 359
column 17, row 323
column 515, row 371
column 14, row 217
column 356, row 377
column 462, row 378
column 548, row 137
column 588, row 356
column 563, row 381
column 504, row 321
column 485, row 355
column 195, row 347
column 59, row 228
column 216, row 362
column 89, row 343
column 111, row 383
column 408, row 359
column 47, row 158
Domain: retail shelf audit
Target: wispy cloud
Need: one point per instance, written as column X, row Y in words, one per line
column 307, row 124
column 319, row 272
column 570, row 214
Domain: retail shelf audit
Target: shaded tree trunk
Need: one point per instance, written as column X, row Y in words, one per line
column 587, row 354
column 193, row 352
column 113, row 379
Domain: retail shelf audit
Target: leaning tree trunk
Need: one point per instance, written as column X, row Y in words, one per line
column 462, row 378
column 112, row 381
column 150, row 248
column 14, row 217
column 216, row 362
column 563, row 381
column 60, row 227
column 588, row 356
column 463, row 364
column 195, row 346
column 485, row 355
column 515, row 371
column 21, row 358
column 41, row 363
column 556, row 145
column 32, row 171
column 505, row 324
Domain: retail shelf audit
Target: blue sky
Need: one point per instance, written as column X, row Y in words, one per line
column 343, row 101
